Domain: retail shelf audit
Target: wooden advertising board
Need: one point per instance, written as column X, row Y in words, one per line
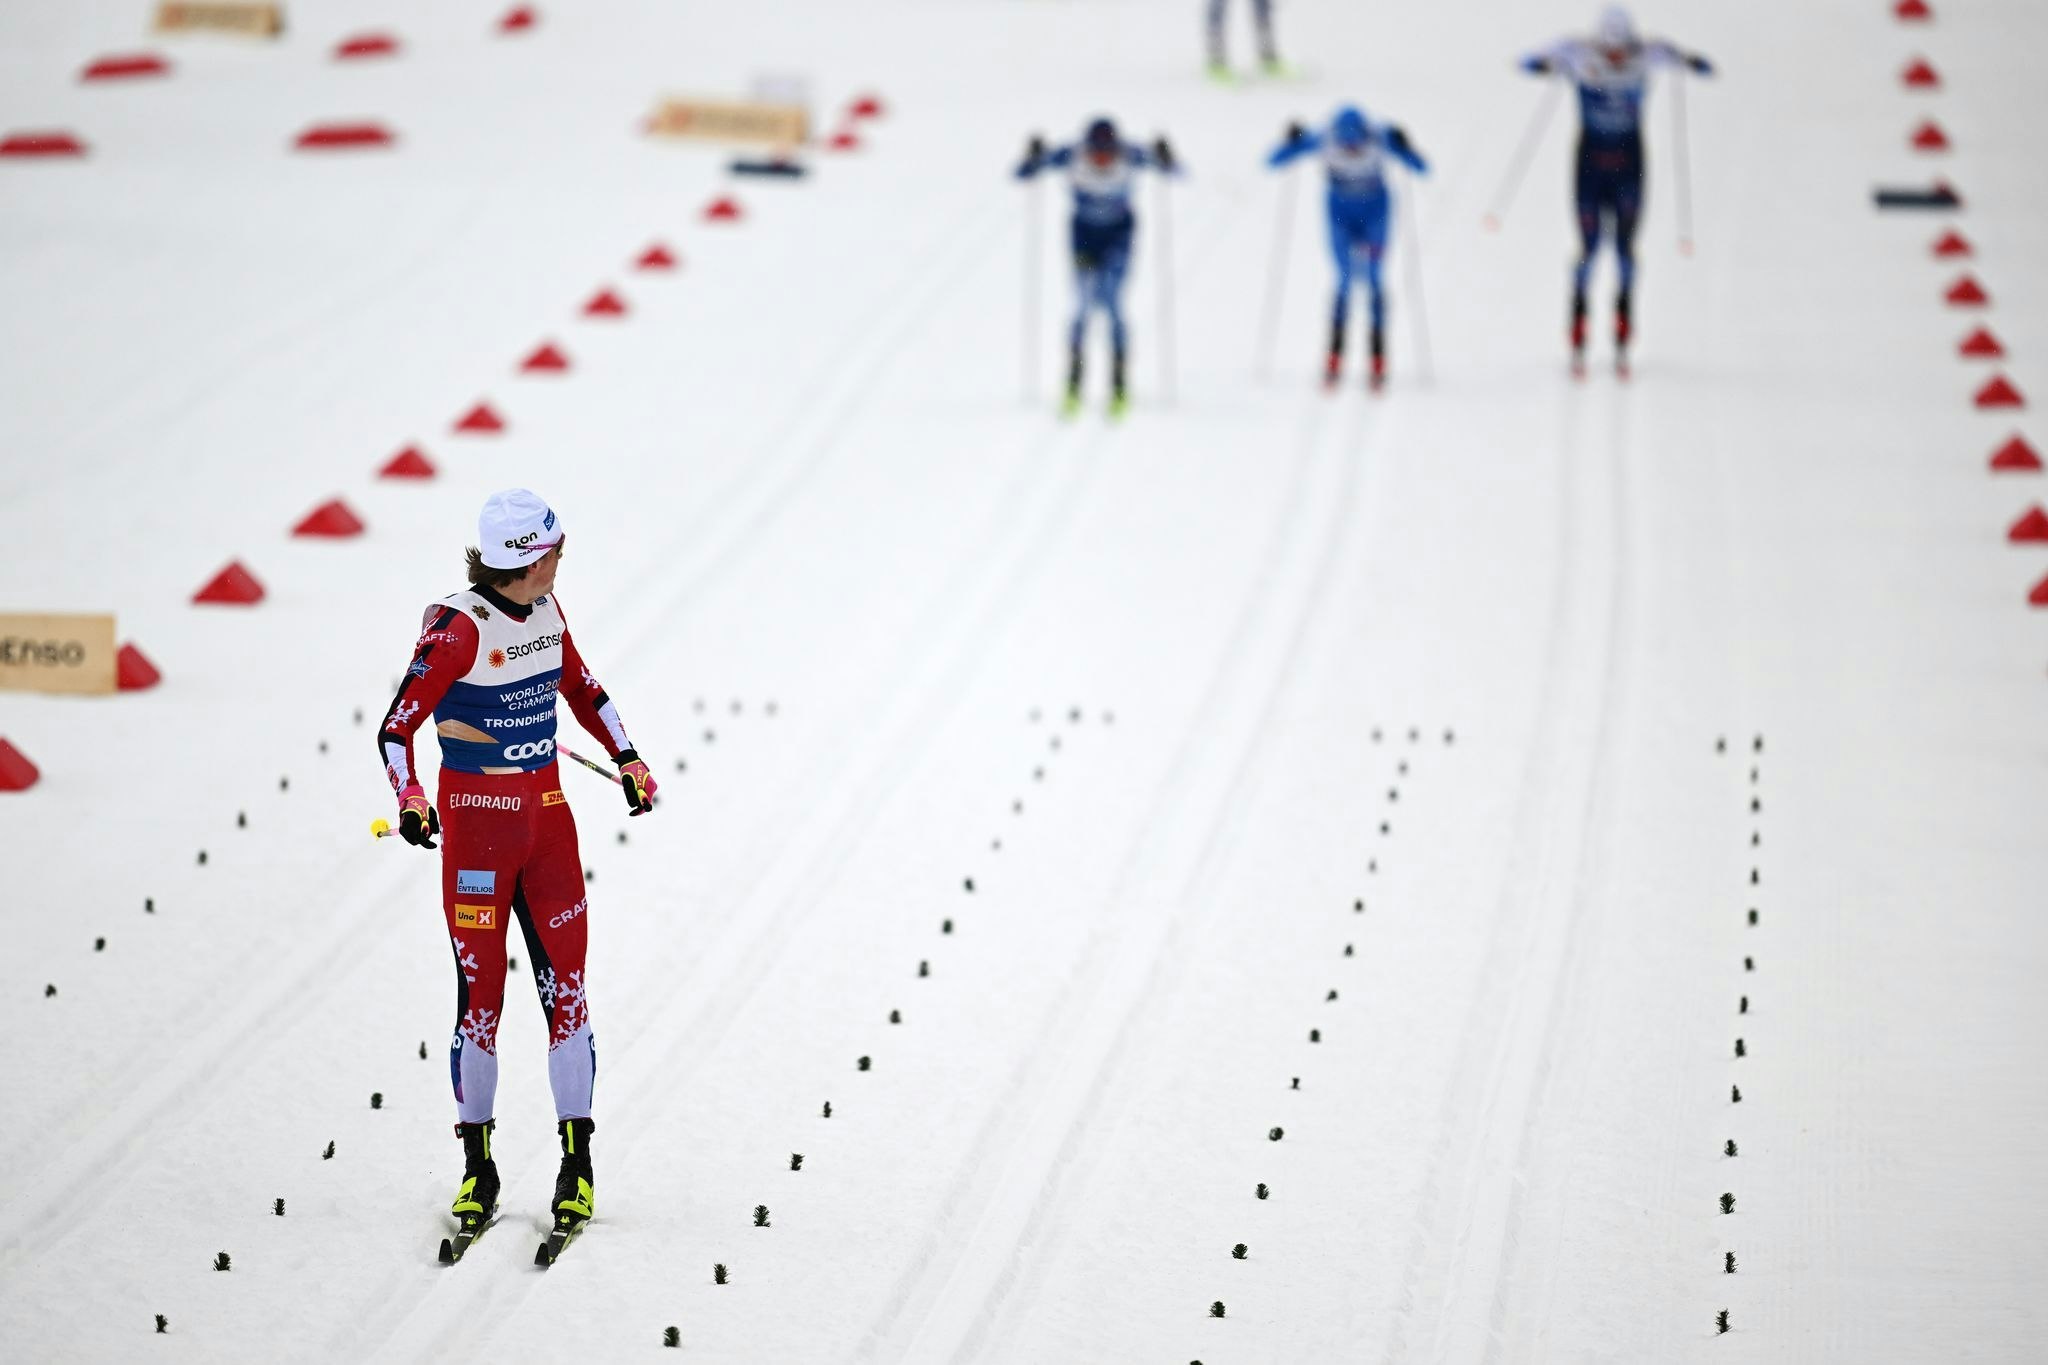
column 57, row 653
column 744, row 121
column 218, row 16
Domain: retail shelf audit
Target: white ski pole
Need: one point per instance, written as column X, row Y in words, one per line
column 1684, row 165
column 1166, row 365
column 1276, row 274
column 1424, row 364
column 1511, row 181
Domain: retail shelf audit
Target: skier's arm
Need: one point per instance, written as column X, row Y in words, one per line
column 1300, row 142
column 1657, row 52
column 1037, row 157
column 445, row 651
column 594, row 712
column 1398, row 144
column 1553, row 60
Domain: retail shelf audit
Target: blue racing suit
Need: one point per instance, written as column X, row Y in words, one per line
column 1359, row 205
column 1101, row 229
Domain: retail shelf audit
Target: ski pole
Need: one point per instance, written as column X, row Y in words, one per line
column 1684, row 165
column 380, row 828
column 1032, row 254
column 1421, row 313
column 1276, row 274
column 1166, row 366
column 1511, row 181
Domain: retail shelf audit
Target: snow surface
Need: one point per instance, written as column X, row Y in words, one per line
column 1152, row 688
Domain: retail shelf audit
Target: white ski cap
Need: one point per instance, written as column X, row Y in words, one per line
column 516, row 528
column 1616, row 28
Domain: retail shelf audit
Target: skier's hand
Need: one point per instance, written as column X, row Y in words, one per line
column 1536, row 66
column 636, row 782
column 1699, row 65
column 1162, row 152
column 1296, row 133
column 416, row 818
column 1034, row 150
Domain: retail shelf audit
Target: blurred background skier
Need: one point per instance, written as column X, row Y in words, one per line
column 1354, row 153
column 1612, row 72
column 1103, row 170
column 1262, row 21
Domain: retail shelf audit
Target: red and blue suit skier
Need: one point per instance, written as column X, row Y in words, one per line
column 1355, row 152
column 489, row 665
column 1612, row 73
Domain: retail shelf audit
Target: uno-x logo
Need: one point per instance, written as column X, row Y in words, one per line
column 476, row 916
column 539, row 748
column 571, row 913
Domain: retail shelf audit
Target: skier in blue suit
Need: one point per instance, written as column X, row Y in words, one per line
column 1612, row 72
column 1103, row 169
column 1355, row 153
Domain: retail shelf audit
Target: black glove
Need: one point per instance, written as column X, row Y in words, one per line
column 1296, row 133
column 418, row 822
column 1398, row 140
column 1695, row 62
column 1034, row 150
column 1162, row 152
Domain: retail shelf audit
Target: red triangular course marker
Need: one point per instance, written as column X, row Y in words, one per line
column 1981, row 344
column 2016, row 457
column 480, row 418
column 1953, row 244
column 2031, row 527
column 725, row 209
column 1928, row 137
column 2000, row 393
column 547, row 357
column 133, row 671
column 518, row 20
column 656, row 257
column 366, row 45
column 844, row 141
column 2039, row 596
column 867, row 106
column 120, row 68
column 232, row 586
column 1913, row 11
column 330, row 518
column 333, row 137
column 17, row 774
column 605, row 304
column 41, row 144
column 1966, row 292
column 1920, row 75
column 407, row 464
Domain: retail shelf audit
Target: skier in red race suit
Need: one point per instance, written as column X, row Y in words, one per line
column 488, row 666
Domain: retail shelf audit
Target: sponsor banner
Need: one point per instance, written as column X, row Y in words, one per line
column 216, row 16
column 468, row 883
column 742, row 121
column 476, row 916
column 57, row 654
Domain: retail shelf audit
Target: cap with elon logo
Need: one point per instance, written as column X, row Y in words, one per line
column 516, row 528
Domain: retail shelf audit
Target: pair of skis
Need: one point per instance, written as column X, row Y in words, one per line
column 567, row 1226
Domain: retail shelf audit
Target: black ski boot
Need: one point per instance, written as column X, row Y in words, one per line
column 1623, row 330
column 1578, row 335
column 476, row 1203
column 575, row 1200
column 1377, row 378
column 1072, row 404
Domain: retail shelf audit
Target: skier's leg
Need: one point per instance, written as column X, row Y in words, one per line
column 552, row 908
column 1628, row 204
column 1269, row 54
column 1341, row 245
column 1115, row 266
column 1373, row 248
column 482, row 847
column 1217, row 60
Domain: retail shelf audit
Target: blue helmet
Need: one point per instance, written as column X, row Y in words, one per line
column 1349, row 125
column 1101, row 138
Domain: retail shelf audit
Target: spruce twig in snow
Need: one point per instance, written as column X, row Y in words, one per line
column 149, row 905
column 1239, row 1252
column 760, row 1215
column 1331, row 996
column 1729, row 1150
column 1727, row 1203
column 946, row 927
column 163, row 1324
column 1728, row 1267
column 969, row 881
column 220, row 1260
column 1347, row 950
column 423, row 1049
column 1721, row 745
column 1216, row 1309
column 328, row 1155
column 49, row 990
column 864, row 1063
column 202, row 857
column 99, row 945
column 376, row 1099
column 1315, row 1035
column 1274, row 1135
column 1752, row 915
column 1743, row 1008
column 1749, row 964
column 671, row 1337
column 924, row 968
column 1358, row 907
column 242, row 816
column 1734, row 1094
column 1262, row 1191
column 895, row 1016
column 1740, row 1051
column 278, row 1208
column 1296, row 1085
column 796, row 1161
column 718, row 1274
column 1755, row 877
column 1721, row 1320
column 828, row 1109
